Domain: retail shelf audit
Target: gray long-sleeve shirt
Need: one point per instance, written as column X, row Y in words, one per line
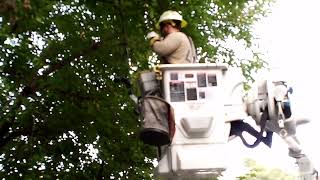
column 175, row 48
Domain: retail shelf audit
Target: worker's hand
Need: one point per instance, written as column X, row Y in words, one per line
column 152, row 35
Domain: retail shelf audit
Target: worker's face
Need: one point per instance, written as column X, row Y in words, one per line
column 165, row 28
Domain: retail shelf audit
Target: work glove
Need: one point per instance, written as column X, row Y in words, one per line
column 153, row 36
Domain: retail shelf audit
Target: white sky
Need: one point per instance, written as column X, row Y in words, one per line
column 290, row 37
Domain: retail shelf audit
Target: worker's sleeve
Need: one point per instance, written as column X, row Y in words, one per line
column 167, row 46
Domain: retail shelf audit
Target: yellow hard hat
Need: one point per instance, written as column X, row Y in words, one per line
column 171, row 15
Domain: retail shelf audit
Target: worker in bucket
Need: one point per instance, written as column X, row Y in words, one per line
column 174, row 46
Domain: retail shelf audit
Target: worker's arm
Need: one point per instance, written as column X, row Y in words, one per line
column 168, row 45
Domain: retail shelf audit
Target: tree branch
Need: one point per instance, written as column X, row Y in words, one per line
column 5, row 140
column 32, row 87
column 124, row 34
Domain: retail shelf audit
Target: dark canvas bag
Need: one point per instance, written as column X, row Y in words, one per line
column 158, row 124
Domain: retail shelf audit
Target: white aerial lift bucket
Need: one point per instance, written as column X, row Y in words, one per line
column 201, row 97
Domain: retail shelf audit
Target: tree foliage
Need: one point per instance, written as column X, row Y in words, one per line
column 63, row 115
column 258, row 172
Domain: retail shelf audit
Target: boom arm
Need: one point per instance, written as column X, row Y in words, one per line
column 273, row 97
